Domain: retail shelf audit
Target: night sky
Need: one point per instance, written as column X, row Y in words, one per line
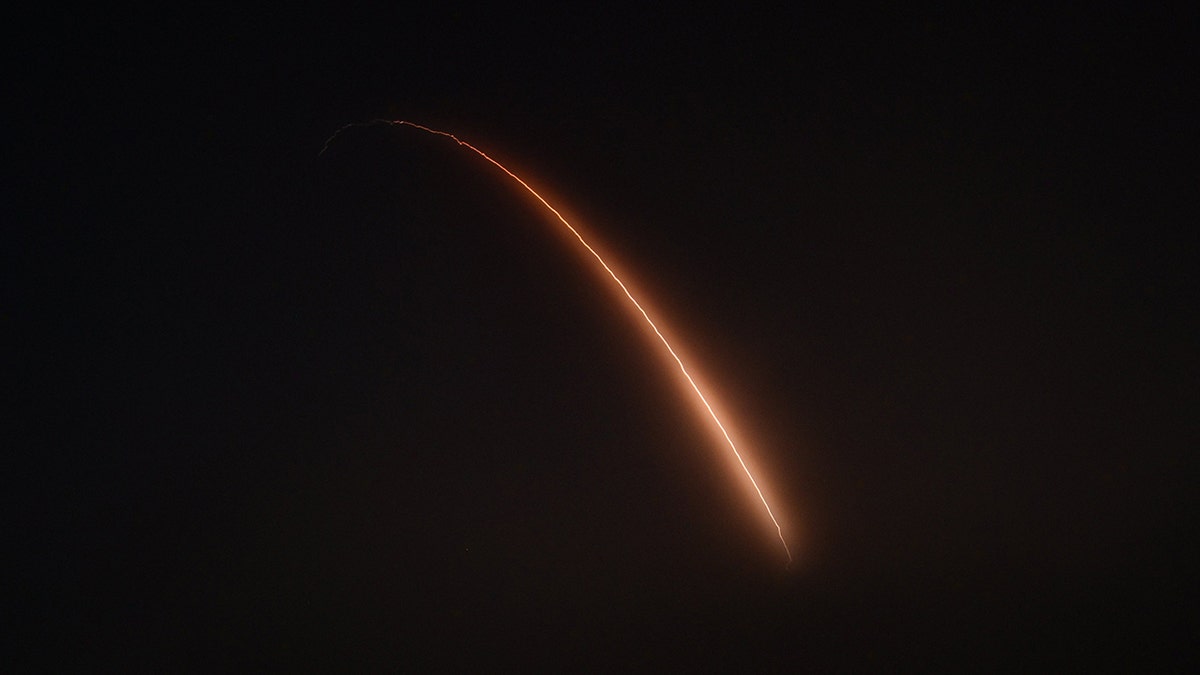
column 370, row 409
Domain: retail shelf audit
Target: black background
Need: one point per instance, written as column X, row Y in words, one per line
column 279, row 408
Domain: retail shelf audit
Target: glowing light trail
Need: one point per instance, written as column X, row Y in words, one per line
column 636, row 304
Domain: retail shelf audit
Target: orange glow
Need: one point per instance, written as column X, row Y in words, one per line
column 638, row 306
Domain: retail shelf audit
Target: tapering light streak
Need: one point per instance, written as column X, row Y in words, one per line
column 636, row 304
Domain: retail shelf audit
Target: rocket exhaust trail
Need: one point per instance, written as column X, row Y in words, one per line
column 632, row 300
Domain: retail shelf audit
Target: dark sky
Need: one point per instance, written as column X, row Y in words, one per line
column 368, row 409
